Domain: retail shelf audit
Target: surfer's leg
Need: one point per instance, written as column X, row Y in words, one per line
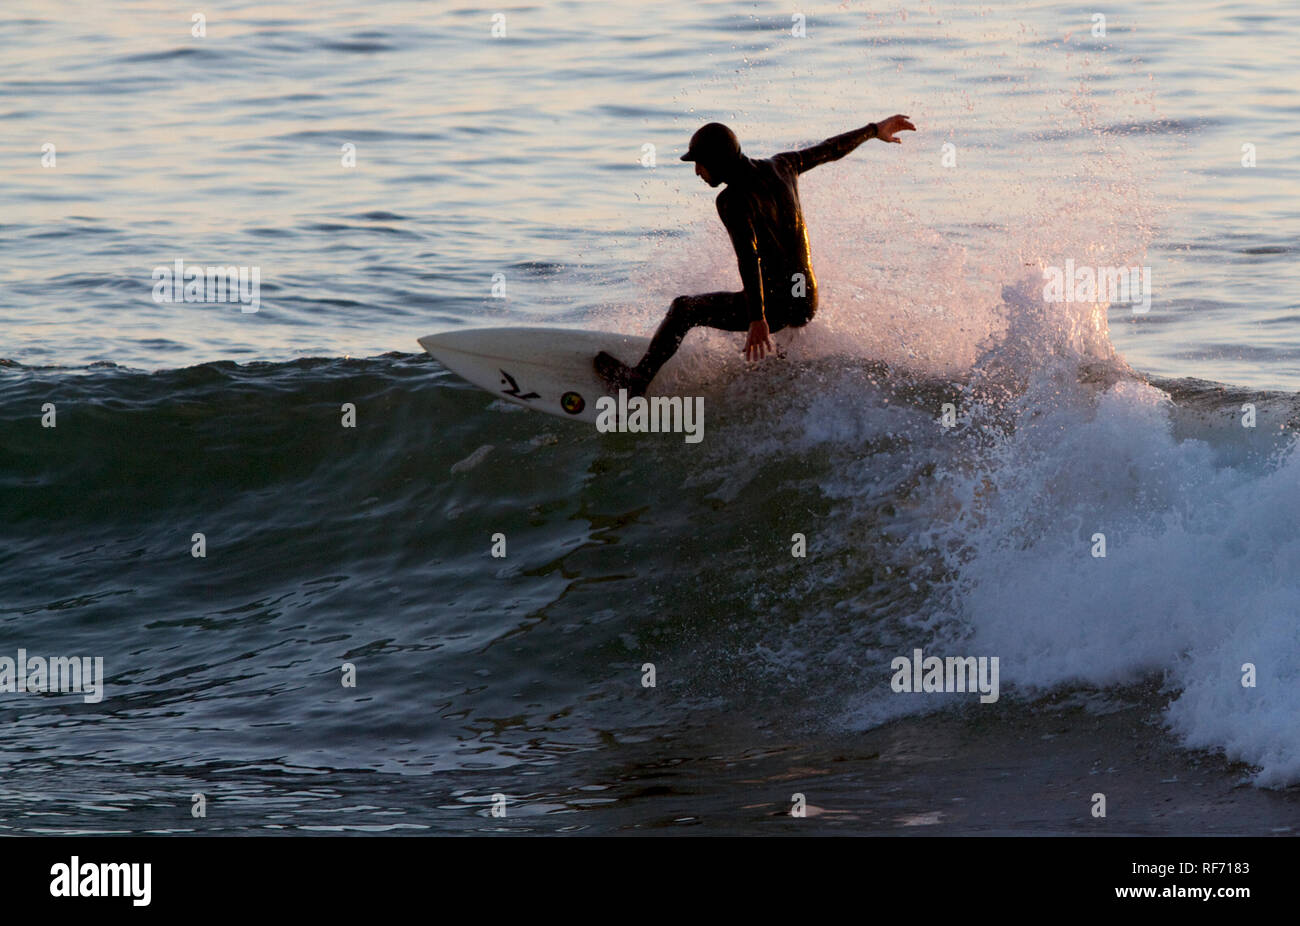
column 726, row 311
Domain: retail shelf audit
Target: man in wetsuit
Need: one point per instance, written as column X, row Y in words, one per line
column 761, row 212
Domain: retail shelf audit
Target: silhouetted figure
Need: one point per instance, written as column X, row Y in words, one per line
column 761, row 212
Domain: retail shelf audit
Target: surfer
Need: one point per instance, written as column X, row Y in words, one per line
column 761, row 212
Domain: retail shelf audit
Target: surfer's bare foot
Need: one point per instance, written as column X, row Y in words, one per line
column 618, row 375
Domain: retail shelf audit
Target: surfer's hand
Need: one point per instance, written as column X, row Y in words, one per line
column 885, row 130
column 760, row 341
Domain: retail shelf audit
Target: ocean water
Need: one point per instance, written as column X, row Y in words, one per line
column 545, row 161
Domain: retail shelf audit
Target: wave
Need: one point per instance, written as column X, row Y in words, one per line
column 976, row 538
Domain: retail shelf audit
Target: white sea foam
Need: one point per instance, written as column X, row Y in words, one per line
column 1199, row 577
column 1202, row 556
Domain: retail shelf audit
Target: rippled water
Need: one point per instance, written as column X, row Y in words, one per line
column 526, row 156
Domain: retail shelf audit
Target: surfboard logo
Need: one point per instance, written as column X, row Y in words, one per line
column 572, row 403
column 506, row 378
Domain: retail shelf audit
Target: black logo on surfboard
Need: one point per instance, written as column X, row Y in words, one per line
column 514, row 388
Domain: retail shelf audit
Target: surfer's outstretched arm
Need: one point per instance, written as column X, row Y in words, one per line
column 832, row 149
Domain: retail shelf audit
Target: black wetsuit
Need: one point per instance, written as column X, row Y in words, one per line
column 761, row 211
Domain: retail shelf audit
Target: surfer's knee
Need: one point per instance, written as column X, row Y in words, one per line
column 681, row 313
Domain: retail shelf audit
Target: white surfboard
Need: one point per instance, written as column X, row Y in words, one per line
column 545, row 369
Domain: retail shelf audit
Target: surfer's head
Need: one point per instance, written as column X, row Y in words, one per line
column 715, row 151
